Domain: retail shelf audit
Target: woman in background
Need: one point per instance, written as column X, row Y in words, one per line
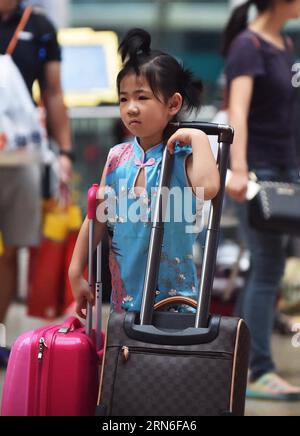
column 259, row 76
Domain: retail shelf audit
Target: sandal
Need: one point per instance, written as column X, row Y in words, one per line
column 272, row 387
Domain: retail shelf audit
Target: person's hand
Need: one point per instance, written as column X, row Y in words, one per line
column 65, row 169
column 237, row 185
column 65, row 175
column 183, row 137
column 82, row 294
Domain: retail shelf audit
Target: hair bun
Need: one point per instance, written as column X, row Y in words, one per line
column 136, row 41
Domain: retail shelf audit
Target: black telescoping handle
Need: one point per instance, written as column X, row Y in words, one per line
column 225, row 138
column 224, row 132
column 156, row 240
column 225, row 135
column 212, row 241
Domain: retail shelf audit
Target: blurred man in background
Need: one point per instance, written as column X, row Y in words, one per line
column 37, row 56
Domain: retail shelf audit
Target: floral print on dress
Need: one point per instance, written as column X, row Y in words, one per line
column 119, row 155
column 118, row 289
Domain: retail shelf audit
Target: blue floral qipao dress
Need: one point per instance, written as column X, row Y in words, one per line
column 129, row 224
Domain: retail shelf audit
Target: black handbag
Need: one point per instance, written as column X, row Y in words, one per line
column 276, row 208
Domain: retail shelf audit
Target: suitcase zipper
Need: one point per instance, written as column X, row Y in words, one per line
column 140, row 350
column 42, row 405
column 42, row 346
column 125, row 353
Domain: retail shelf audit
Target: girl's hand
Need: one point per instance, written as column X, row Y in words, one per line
column 183, row 137
column 82, row 294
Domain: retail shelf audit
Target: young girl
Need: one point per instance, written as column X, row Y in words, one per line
column 153, row 87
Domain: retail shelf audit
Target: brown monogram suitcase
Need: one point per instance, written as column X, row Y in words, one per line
column 164, row 363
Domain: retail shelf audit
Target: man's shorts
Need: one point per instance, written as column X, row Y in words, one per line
column 20, row 205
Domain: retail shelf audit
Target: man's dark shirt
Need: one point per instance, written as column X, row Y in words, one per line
column 37, row 44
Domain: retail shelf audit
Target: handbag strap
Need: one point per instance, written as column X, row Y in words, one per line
column 25, row 17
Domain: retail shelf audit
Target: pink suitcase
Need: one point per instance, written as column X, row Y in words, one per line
column 53, row 371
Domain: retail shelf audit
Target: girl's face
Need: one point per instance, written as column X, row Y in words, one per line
column 142, row 113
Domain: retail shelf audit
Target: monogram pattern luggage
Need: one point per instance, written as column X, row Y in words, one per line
column 166, row 363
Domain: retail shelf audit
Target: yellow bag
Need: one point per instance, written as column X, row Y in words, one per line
column 49, row 290
column 1, row 245
column 56, row 224
column 74, row 218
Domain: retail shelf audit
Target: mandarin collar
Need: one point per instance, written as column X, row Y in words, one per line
column 154, row 152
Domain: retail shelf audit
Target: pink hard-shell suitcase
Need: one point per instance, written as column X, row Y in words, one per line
column 53, row 371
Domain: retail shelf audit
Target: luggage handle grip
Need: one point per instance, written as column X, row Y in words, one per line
column 175, row 300
column 188, row 336
column 94, row 286
column 71, row 323
column 92, row 201
column 224, row 132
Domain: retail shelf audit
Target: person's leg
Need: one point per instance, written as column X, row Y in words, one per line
column 8, row 274
column 259, row 299
column 267, row 266
column 268, row 260
column 19, row 223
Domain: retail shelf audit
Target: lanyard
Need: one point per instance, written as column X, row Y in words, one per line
column 25, row 17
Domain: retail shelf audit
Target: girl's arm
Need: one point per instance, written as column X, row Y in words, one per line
column 79, row 284
column 201, row 167
column 241, row 91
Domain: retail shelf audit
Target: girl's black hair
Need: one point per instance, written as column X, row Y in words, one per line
column 239, row 21
column 164, row 73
